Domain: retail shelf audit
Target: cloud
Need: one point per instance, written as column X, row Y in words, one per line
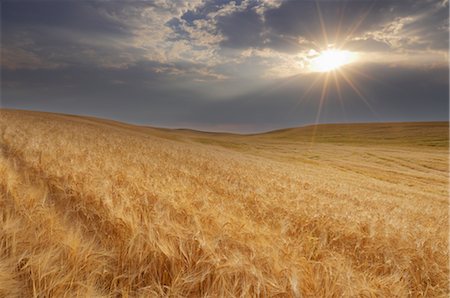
column 110, row 34
column 117, row 34
column 393, row 93
column 295, row 25
column 367, row 45
column 220, row 63
column 146, row 96
column 241, row 29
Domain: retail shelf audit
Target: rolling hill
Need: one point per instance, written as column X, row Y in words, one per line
column 97, row 208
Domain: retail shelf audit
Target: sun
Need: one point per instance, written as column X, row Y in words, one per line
column 331, row 59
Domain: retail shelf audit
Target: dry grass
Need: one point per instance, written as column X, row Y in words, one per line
column 100, row 209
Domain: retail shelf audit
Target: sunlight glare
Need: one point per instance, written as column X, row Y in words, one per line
column 331, row 59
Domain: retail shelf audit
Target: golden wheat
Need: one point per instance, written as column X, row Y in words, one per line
column 94, row 208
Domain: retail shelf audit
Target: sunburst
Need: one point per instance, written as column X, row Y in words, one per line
column 332, row 59
column 332, row 63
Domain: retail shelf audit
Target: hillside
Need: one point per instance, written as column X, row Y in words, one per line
column 97, row 208
column 397, row 133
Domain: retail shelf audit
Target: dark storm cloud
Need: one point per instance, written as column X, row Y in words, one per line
column 305, row 18
column 57, row 33
column 143, row 75
column 241, row 29
column 432, row 29
column 394, row 94
column 82, row 16
column 137, row 94
column 322, row 22
column 60, row 33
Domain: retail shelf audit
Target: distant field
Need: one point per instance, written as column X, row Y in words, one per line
column 97, row 208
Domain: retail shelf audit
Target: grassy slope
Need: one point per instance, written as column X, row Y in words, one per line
column 99, row 208
column 416, row 133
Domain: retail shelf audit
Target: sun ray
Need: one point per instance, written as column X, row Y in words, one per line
column 358, row 92
column 297, row 103
column 372, row 78
column 338, row 89
column 339, row 27
column 322, row 23
column 358, row 23
column 284, row 82
column 321, row 102
column 331, row 61
column 322, row 97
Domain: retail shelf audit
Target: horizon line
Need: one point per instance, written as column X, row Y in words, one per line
column 228, row 132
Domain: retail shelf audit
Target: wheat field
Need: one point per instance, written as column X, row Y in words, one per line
column 96, row 208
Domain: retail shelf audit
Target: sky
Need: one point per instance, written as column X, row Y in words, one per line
column 218, row 65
